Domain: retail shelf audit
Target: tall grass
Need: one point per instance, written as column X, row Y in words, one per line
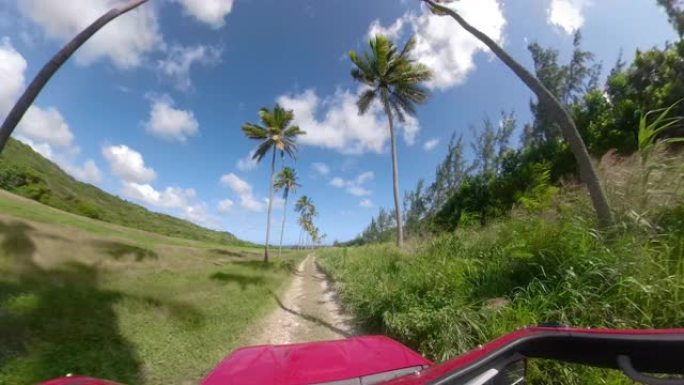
column 459, row 290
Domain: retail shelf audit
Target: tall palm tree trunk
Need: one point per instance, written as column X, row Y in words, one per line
column 282, row 228
column 395, row 182
column 51, row 67
column 270, row 206
column 588, row 173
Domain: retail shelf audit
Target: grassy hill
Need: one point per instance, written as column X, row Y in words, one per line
column 83, row 296
column 26, row 173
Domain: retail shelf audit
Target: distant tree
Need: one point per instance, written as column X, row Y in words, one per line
column 675, row 14
column 492, row 142
column 449, row 175
column 395, row 79
column 567, row 82
column 555, row 110
column 416, row 207
column 277, row 134
column 51, row 67
column 286, row 180
column 307, row 210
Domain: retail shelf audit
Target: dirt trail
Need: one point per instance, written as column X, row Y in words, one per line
column 307, row 311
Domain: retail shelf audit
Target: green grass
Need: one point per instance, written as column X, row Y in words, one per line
column 86, row 297
column 26, row 173
column 460, row 290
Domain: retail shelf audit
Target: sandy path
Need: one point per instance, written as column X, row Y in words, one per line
column 307, row 311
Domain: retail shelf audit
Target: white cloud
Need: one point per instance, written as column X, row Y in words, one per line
column 125, row 41
column 198, row 213
column 169, row 123
column 337, row 182
column 212, row 12
column 410, row 128
column 354, row 187
column 278, row 203
column 430, row 144
column 89, row 172
column 239, row 186
column 244, row 191
column 181, row 200
column 443, row 45
column 365, row 177
column 249, row 203
column 567, row 14
column 248, row 163
column 170, row 198
column 45, row 126
column 128, row 165
column 391, row 32
column 12, row 67
column 358, row 191
column 225, row 206
column 321, row 168
column 180, row 59
column 366, row 203
column 342, row 128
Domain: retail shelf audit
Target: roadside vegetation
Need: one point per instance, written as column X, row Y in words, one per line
column 511, row 238
column 126, row 305
column 451, row 292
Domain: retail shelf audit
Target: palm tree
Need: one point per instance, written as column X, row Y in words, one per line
column 303, row 225
column 276, row 134
column 51, row 67
column 307, row 209
column 286, row 181
column 393, row 78
column 555, row 108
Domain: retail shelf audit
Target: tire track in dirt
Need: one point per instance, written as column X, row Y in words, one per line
column 307, row 311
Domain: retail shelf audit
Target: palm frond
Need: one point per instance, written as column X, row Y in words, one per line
column 262, row 150
column 254, row 131
column 365, row 100
column 382, row 49
column 408, row 47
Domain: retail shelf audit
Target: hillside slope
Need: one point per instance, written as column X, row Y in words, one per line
column 27, row 173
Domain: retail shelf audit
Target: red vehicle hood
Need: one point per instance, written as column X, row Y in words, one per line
column 313, row 363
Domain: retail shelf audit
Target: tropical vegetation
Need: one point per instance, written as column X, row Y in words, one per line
column 555, row 111
column 276, row 135
column 507, row 239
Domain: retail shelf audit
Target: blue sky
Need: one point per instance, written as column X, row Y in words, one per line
column 151, row 109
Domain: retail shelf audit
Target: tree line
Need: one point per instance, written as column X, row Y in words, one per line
column 608, row 116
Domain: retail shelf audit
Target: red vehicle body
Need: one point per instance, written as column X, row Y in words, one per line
column 378, row 359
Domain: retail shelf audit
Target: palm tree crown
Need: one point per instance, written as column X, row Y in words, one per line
column 286, row 180
column 276, row 132
column 392, row 76
column 305, row 206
